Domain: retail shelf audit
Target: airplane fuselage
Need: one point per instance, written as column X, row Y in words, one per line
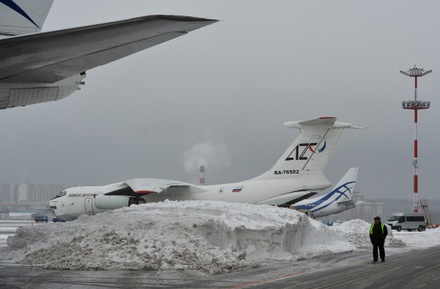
column 77, row 201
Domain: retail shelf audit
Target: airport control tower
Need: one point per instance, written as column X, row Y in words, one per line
column 415, row 105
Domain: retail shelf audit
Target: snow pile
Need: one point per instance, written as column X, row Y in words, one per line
column 201, row 235
column 420, row 240
column 357, row 233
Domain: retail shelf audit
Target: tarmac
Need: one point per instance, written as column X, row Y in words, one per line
column 414, row 269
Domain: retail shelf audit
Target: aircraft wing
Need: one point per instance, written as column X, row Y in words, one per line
column 287, row 199
column 147, row 186
column 349, row 203
column 52, row 56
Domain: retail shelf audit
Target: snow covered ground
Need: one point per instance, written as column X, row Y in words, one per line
column 213, row 237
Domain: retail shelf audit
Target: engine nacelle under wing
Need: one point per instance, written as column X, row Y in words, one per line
column 104, row 202
column 22, row 94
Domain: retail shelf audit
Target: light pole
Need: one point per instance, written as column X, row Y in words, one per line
column 415, row 105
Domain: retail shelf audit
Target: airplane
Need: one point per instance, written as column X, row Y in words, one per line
column 42, row 67
column 337, row 200
column 294, row 177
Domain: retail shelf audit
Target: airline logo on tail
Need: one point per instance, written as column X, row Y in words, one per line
column 301, row 150
column 336, row 201
column 320, row 149
column 338, row 193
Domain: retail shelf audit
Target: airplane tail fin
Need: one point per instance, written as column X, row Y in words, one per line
column 341, row 194
column 346, row 185
column 309, row 153
column 23, row 16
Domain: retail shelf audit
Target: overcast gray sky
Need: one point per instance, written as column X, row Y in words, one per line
column 221, row 94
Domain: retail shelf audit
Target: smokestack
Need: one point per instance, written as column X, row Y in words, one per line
column 202, row 175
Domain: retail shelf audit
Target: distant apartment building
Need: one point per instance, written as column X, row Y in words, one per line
column 22, row 193
column 35, row 194
column 5, row 193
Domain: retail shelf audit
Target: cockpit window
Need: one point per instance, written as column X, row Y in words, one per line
column 62, row 193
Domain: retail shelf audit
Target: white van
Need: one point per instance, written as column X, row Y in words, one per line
column 407, row 221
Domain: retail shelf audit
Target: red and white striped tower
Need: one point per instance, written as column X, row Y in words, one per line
column 415, row 105
column 202, row 175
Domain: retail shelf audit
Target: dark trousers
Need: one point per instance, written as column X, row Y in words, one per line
column 378, row 246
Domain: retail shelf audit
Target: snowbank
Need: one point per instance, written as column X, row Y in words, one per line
column 208, row 236
column 200, row 235
column 357, row 233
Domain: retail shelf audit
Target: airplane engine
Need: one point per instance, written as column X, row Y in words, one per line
column 114, row 202
column 22, row 94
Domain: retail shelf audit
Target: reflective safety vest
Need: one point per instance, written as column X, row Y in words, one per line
column 372, row 226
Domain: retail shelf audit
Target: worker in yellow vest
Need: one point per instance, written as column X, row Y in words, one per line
column 378, row 233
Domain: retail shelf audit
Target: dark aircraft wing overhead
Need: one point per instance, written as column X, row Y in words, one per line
column 52, row 56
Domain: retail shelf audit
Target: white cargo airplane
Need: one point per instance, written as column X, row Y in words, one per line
column 42, row 67
column 336, row 201
column 291, row 179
